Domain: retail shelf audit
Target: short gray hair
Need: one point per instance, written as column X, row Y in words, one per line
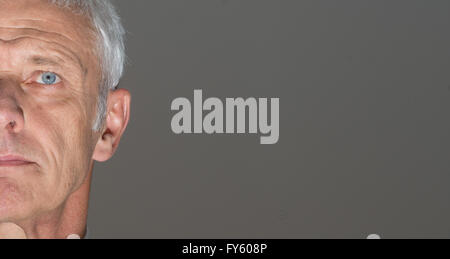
column 110, row 46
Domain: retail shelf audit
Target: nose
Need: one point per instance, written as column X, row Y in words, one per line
column 11, row 115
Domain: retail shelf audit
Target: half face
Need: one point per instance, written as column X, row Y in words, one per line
column 49, row 76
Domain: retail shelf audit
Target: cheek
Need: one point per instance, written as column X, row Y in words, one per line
column 64, row 132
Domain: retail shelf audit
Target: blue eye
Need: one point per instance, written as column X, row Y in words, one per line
column 48, row 78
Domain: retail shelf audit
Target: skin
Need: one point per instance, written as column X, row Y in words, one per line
column 51, row 125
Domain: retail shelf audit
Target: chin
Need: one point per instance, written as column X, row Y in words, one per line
column 13, row 205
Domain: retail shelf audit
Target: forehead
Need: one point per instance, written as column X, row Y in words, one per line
column 48, row 23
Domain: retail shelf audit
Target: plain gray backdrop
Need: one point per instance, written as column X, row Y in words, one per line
column 364, row 88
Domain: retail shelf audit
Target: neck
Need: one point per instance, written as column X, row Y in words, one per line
column 70, row 218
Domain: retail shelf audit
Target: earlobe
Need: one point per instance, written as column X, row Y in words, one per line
column 103, row 150
column 117, row 117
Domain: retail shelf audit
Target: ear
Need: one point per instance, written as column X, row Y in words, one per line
column 118, row 115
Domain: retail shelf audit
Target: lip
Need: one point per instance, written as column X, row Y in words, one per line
column 13, row 160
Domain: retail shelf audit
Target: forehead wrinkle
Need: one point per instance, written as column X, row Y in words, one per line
column 72, row 54
column 35, row 28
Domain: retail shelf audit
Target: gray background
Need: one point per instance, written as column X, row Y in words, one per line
column 364, row 147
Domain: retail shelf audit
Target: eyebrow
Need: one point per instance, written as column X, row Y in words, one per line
column 56, row 61
column 44, row 61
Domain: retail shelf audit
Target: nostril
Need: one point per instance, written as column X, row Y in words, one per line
column 12, row 124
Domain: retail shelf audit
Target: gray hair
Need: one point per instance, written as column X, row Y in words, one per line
column 110, row 46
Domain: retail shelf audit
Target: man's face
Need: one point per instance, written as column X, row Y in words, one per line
column 49, row 76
